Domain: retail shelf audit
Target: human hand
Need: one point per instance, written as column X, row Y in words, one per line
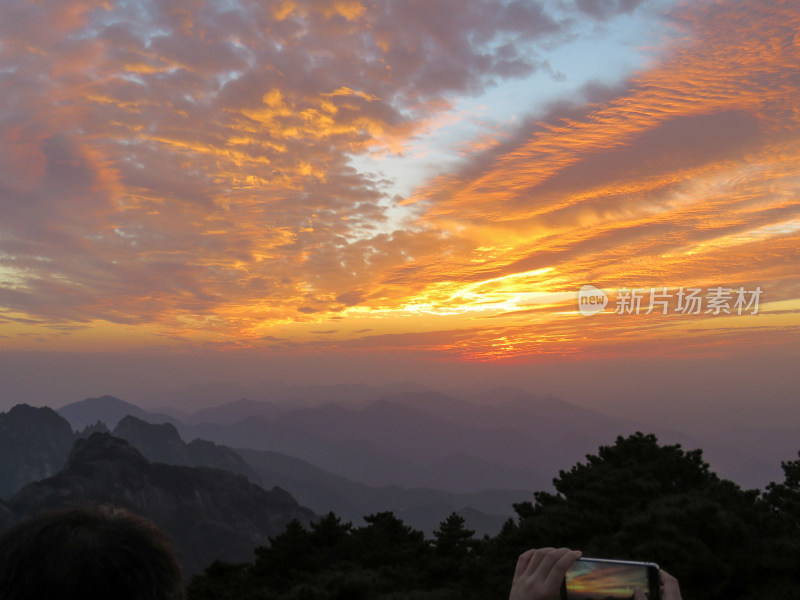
column 670, row 590
column 539, row 573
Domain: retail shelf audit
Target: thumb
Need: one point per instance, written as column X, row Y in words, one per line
column 638, row 594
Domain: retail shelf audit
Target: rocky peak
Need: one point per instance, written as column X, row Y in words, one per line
column 25, row 418
column 159, row 443
column 105, row 408
column 162, row 443
column 103, row 448
column 98, row 427
column 132, row 426
column 34, row 443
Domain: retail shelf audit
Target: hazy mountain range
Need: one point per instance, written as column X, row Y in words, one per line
column 407, row 435
column 43, row 450
column 358, row 449
column 410, row 439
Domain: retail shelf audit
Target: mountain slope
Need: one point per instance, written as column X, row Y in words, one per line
column 209, row 513
column 377, row 449
column 162, row 443
column 237, row 410
column 34, row 443
column 7, row 517
column 430, row 440
column 422, row 508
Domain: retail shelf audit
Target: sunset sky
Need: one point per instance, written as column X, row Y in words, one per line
column 413, row 182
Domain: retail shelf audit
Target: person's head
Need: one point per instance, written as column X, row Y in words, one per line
column 88, row 553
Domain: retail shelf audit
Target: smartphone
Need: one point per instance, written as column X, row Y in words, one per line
column 603, row 579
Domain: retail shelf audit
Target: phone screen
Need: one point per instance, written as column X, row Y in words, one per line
column 593, row 579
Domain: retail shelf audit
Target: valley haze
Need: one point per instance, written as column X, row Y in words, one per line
column 409, row 435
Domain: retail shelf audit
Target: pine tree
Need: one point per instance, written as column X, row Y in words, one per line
column 452, row 539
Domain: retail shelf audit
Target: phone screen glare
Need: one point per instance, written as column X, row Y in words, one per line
column 587, row 580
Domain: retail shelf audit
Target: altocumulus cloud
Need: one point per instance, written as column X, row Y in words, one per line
column 182, row 162
column 189, row 165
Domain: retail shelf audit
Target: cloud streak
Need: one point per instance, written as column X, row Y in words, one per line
column 685, row 177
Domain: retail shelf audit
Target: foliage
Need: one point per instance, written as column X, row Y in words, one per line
column 635, row 499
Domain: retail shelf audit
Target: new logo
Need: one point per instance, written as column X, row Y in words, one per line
column 591, row 300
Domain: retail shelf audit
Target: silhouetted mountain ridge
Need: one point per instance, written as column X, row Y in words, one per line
column 162, row 443
column 109, row 410
column 209, row 513
column 388, row 443
column 34, row 443
column 236, row 410
column 211, row 395
column 513, row 438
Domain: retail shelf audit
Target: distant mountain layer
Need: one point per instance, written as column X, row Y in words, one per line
column 237, row 410
column 320, row 490
column 417, row 452
column 429, row 440
column 162, row 443
column 506, row 439
column 498, row 438
column 406, row 437
column 209, row 513
column 109, row 410
column 566, row 432
column 424, row 509
column 191, row 398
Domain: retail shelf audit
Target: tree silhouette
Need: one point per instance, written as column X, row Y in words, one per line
column 780, row 559
column 452, row 539
column 634, row 499
column 387, row 542
column 640, row 500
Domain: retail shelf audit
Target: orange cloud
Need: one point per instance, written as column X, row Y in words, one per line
column 188, row 171
column 187, row 166
column 685, row 178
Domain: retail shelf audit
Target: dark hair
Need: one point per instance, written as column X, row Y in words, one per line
column 88, row 553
